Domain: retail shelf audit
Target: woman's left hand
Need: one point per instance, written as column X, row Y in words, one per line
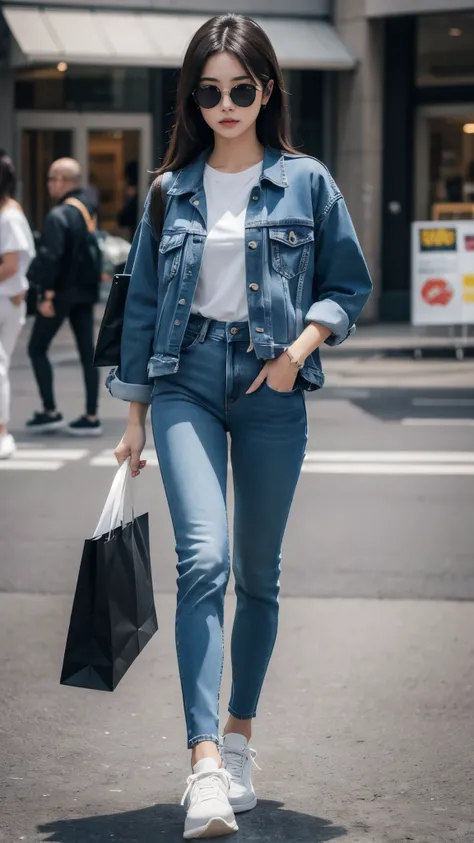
column 280, row 373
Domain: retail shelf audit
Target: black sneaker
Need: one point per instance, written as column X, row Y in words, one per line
column 84, row 427
column 44, row 423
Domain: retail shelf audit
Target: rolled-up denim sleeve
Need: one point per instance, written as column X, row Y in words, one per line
column 342, row 282
column 130, row 381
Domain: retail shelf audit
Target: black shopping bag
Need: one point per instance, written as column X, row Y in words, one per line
column 107, row 347
column 113, row 613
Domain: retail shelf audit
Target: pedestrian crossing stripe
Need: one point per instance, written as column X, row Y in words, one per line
column 333, row 461
column 441, row 463
column 106, row 459
column 30, row 465
column 66, row 454
column 430, row 422
column 42, row 459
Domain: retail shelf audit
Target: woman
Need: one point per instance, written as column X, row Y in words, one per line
column 258, row 264
column 16, row 253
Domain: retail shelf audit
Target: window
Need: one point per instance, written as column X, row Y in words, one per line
column 445, row 50
column 451, row 167
column 83, row 89
column 305, row 94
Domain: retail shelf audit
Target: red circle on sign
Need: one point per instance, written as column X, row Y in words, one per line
column 437, row 291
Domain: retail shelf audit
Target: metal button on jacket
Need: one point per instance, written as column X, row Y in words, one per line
column 252, row 244
column 182, row 301
column 292, row 237
column 254, row 287
column 259, row 330
column 196, row 202
column 177, row 322
column 255, row 197
column 234, row 330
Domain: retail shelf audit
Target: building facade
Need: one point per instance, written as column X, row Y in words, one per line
column 405, row 149
column 381, row 90
column 98, row 80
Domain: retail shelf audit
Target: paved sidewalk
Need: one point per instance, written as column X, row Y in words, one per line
column 390, row 337
column 383, row 338
column 365, row 729
column 376, row 356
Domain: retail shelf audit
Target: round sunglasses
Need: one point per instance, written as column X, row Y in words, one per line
column 208, row 96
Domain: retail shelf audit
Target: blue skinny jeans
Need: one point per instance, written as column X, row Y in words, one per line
column 194, row 411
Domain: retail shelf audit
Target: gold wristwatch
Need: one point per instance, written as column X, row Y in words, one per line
column 293, row 358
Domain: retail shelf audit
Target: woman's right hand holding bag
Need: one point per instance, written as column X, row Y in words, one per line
column 134, row 439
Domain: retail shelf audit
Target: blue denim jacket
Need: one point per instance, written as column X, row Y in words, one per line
column 303, row 264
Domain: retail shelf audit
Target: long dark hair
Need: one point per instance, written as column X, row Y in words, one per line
column 7, row 177
column 250, row 45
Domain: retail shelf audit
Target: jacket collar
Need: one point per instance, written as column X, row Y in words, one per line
column 190, row 178
column 274, row 168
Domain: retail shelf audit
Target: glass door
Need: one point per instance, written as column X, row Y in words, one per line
column 114, row 151
column 114, row 170
column 39, row 148
column 444, row 166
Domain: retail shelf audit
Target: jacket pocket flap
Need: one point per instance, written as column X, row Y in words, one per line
column 171, row 241
column 292, row 236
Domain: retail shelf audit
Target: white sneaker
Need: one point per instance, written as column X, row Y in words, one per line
column 7, row 446
column 206, row 799
column 237, row 759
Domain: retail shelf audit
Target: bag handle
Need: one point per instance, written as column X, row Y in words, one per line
column 112, row 513
column 76, row 203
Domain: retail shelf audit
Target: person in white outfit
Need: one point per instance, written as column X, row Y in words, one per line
column 16, row 253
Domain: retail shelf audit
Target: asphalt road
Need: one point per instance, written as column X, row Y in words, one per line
column 366, row 723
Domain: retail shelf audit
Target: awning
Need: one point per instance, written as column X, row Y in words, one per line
column 157, row 40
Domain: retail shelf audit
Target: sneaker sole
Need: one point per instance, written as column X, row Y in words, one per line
column 46, row 428
column 216, row 827
column 246, row 806
column 84, row 431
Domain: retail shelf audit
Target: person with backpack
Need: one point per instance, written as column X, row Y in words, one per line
column 66, row 274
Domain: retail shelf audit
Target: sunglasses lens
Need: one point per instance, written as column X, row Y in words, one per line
column 208, row 96
column 243, row 95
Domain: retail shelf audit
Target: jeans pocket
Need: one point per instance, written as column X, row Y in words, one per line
column 285, row 394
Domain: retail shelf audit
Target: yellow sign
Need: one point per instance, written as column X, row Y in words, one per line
column 468, row 289
column 437, row 239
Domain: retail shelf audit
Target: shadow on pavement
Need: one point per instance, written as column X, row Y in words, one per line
column 270, row 822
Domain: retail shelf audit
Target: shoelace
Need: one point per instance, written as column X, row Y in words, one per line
column 208, row 784
column 234, row 761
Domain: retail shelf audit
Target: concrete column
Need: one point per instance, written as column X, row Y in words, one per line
column 358, row 166
column 7, row 110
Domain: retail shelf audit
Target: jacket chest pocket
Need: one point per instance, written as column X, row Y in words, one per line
column 171, row 250
column 289, row 248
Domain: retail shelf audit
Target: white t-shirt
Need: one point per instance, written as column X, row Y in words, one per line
column 221, row 290
column 16, row 236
